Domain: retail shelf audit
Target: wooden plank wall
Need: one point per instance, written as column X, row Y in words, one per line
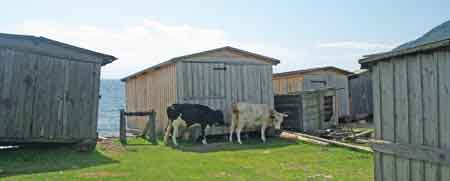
column 313, row 110
column 219, row 89
column 288, row 84
column 300, row 82
column 411, row 101
column 361, row 99
column 154, row 90
column 44, row 98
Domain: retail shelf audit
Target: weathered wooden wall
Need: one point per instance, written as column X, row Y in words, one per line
column 308, row 110
column 288, row 84
column 154, row 90
column 360, row 93
column 411, row 106
column 309, row 81
column 219, row 84
column 45, row 98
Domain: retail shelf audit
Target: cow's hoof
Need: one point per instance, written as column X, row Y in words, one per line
column 204, row 142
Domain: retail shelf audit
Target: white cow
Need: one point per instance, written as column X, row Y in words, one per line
column 254, row 115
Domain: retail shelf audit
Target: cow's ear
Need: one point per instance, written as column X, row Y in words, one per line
column 285, row 114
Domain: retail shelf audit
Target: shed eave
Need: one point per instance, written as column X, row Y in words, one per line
column 270, row 60
column 303, row 71
column 369, row 59
column 13, row 41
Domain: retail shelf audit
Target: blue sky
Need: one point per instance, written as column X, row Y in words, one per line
column 302, row 34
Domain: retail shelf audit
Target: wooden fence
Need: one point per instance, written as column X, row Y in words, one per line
column 150, row 129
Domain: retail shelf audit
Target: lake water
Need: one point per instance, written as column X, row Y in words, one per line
column 112, row 100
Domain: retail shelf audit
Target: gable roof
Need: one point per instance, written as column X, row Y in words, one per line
column 270, row 60
column 34, row 44
column 303, row 71
column 437, row 37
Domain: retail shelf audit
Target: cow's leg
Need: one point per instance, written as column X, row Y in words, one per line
column 175, row 134
column 168, row 129
column 231, row 131
column 263, row 133
column 238, row 134
column 204, row 127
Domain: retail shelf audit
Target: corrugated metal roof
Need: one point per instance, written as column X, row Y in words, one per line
column 436, row 38
column 439, row 33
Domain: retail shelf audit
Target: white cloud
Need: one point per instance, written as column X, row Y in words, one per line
column 147, row 43
column 356, row 45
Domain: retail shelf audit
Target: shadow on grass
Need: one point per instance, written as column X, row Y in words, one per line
column 216, row 144
column 47, row 158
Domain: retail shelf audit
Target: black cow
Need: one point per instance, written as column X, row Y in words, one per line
column 188, row 114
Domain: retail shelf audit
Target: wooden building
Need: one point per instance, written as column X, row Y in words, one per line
column 216, row 78
column 313, row 79
column 411, row 108
column 308, row 111
column 360, row 93
column 49, row 90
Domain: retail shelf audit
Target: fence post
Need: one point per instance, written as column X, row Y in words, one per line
column 152, row 127
column 123, row 127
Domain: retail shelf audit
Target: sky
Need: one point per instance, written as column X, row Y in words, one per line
column 302, row 34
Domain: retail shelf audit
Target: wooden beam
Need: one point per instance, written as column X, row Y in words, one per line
column 123, row 127
column 337, row 143
column 290, row 136
column 137, row 113
column 416, row 152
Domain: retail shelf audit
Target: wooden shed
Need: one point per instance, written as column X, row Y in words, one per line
column 360, row 93
column 309, row 110
column 411, row 108
column 313, row 79
column 49, row 90
column 216, row 78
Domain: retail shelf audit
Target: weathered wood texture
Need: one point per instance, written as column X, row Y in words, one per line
column 216, row 79
column 361, row 95
column 411, row 101
column 154, row 90
column 308, row 110
column 219, row 85
column 287, row 84
column 47, row 98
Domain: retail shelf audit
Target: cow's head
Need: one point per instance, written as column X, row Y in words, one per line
column 277, row 118
column 219, row 119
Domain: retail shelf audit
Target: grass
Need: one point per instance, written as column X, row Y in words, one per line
column 276, row 160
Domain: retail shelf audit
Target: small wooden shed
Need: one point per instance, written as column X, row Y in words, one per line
column 309, row 110
column 411, row 108
column 313, row 79
column 216, row 78
column 49, row 90
column 360, row 93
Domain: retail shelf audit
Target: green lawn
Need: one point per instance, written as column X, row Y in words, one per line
column 276, row 160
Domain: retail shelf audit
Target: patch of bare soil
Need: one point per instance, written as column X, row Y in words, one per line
column 102, row 174
column 109, row 146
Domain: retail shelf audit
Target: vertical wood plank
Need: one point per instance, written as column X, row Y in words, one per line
column 444, row 101
column 415, row 113
column 387, row 116
column 122, row 128
column 401, row 115
column 429, row 99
